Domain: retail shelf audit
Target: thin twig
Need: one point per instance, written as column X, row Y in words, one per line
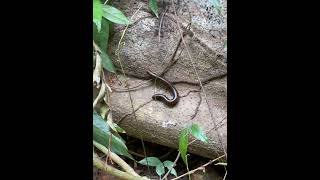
column 139, row 86
column 100, row 95
column 199, row 168
column 113, row 171
column 105, row 82
column 159, row 34
column 225, row 175
column 174, row 164
column 142, row 156
column 109, row 148
column 135, row 153
column 115, row 158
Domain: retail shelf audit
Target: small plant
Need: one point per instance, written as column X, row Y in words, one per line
column 196, row 132
column 104, row 130
column 160, row 166
column 103, row 17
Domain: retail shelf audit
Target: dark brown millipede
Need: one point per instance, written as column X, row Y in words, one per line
column 170, row 102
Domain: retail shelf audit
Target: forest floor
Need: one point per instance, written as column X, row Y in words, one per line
column 211, row 172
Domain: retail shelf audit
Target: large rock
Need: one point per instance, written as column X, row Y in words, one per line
column 143, row 51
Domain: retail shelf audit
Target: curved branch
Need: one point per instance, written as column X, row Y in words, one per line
column 113, row 171
column 116, row 159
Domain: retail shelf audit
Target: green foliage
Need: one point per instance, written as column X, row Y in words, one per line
column 160, row 169
column 103, row 16
column 119, row 129
column 160, row 166
column 154, row 7
column 114, row 15
column 183, row 145
column 101, row 134
column 150, row 161
column 169, row 165
column 196, row 132
column 101, row 38
column 105, row 132
column 97, row 13
column 106, row 62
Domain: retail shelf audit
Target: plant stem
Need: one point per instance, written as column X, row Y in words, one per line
column 115, row 158
column 113, row 171
column 199, row 168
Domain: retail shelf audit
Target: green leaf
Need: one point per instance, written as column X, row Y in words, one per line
column 160, row 169
column 154, row 7
column 119, row 129
column 114, row 15
column 169, row 165
column 197, row 132
column 101, row 134
column 217, row 5
column 107, row 63
column 97, row 13
column 152, row 161
column 183, row 144
column 118, row 135
column 111, row 125
column 225, row 44
column 174, row 172
column 101, row 38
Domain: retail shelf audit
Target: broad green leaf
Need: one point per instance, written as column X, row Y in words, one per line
column 100, row 123
column 152, row 161
column 174, row 172
column 222, row 164
column 160, row 169
column 183, row 145
column 197, row 132
column 101, row 38
column 98, row 24
column 225, row 44
column 113, row 127
column 169, row 165
column 114, row 15
column 107, row 63
column 101, row 134
column 118, row 135
column 97, row 13
column 217, row 5
column 154, row 7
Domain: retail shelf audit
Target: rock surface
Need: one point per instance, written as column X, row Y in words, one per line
column 142, row 51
